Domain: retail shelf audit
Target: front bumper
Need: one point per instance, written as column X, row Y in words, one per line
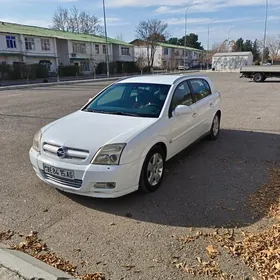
column 126, row 177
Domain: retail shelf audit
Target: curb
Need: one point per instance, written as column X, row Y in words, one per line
column 59, row 83
column 28, row 267
column 2, row 88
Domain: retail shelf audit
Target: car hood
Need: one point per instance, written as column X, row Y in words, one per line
column 90, row 131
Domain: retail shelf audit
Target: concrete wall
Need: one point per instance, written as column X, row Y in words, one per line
column 231, row 63
column 62, row 51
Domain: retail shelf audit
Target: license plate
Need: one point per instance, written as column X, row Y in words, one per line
column 59, row 172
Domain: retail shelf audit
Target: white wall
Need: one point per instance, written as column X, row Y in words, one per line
column 143, row 52
column 121, row 57
column 38, row 47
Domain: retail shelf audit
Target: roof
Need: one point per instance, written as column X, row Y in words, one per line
column 156, row 79
column 13, row 28
column 233, row 54
column 166, row 45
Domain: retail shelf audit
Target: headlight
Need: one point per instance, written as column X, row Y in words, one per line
column 109, row 154
column 37, row 140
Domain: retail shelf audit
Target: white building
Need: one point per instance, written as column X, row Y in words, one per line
column 168, row 56
column 30, row 45
column 231, row 61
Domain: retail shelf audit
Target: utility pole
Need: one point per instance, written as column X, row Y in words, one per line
column 185, row 41
column 208, row 41
column 265, row 28
column 106, row 38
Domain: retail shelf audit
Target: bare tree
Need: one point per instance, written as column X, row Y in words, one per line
column 141, row 62
column 273, row 47
column 151, row 32
column 73, row 20
column 119, row 37
column 220, row 47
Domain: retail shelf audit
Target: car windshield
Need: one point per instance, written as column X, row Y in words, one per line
column 131, row 99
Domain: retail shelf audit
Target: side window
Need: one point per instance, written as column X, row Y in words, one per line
column 201, row 88
column 182, row 96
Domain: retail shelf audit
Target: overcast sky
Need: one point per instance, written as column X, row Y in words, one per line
column 245, row 16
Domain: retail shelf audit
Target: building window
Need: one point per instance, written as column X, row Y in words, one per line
column 97, row 49
column 79, row 48
column 45, row 44
column 29, row 43
column 165, row 51
column 11, row 42
column 104, row 49
column 125, row 51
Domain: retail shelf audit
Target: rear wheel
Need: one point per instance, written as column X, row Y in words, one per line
column 258, row 77
column 215, row 128
column 153, row 170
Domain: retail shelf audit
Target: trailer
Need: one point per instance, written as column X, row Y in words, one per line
column 260, row 73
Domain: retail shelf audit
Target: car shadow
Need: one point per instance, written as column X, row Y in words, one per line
column 206, row 185
column 267, row 81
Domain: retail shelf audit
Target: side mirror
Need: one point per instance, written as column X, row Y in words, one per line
column 182, row 110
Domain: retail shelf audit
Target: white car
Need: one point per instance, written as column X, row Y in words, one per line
column 120, row 140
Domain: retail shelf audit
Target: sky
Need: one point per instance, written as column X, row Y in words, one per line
column 231, row 18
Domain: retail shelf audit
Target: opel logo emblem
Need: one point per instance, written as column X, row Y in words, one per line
column 61, row 152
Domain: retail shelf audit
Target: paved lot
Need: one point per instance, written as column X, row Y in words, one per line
column 206, row 185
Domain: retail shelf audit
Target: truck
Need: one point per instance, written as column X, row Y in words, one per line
column 260, row 73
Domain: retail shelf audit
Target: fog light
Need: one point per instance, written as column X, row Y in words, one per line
column 105, row 185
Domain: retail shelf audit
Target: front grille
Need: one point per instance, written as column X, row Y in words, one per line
column 66, row 182
column 71, row 153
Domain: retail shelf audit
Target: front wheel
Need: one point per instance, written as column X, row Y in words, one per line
column 153, row 170
column 215, row 128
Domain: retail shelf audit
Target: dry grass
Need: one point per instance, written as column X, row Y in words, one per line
column 267, row 200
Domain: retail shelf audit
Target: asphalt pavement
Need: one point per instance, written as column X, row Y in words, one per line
column 206, row 186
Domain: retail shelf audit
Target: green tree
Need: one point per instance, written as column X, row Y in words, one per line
column 173, row 41
column 191, row 41
column 238, row 46
column 256, row 51
column 247, row 46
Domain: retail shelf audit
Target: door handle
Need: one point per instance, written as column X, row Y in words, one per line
column 194, row 115
column 211, row 104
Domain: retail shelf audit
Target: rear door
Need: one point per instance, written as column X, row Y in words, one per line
column 204, row 103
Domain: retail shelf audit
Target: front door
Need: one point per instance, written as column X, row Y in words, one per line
column 183, row 128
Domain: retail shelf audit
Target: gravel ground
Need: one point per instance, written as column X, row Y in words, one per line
column 206, row 186
column 6, row 274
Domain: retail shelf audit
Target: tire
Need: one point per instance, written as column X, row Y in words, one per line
column 258, row 77
column 153, row 164
column 215, row 128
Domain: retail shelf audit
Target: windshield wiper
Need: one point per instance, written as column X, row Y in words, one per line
column 126, row 114
column 120, row 113
column 96, row 111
